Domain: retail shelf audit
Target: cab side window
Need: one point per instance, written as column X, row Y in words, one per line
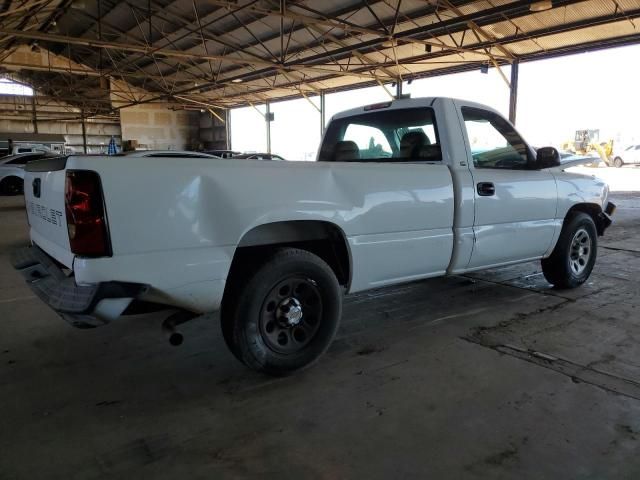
column 494, row 143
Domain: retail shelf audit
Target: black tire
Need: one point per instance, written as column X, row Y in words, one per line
column 11, row 186
column 570, row 265
column 617, row 162
column 284, row 315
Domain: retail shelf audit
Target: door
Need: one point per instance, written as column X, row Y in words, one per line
column 515, row 204
column 388, row 175
column 635, row 154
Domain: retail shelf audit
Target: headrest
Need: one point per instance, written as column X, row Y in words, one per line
column 411, row 144
column 430, row 153
column 346, row 151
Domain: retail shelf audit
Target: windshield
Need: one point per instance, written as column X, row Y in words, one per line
column 402, row 135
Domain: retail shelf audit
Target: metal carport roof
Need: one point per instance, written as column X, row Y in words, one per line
column 220, row 53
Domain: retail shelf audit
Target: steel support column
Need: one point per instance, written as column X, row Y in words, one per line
column 513, row 93
column 398, row 88
column 84, row 132
column 33, row 113
column 227, row 125
column 322, row 114
column 267, row 118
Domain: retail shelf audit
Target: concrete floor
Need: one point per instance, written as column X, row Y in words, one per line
column 495, row 376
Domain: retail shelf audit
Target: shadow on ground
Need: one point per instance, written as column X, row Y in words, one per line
column 493, row 375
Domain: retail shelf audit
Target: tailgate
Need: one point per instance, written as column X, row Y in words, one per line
column 44, row 184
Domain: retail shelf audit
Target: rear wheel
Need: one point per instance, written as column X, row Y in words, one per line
column 285, row 315
column 574, row 256
column 11, row 186
column 617, row 162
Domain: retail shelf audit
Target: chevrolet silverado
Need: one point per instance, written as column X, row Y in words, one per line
column 401, row 191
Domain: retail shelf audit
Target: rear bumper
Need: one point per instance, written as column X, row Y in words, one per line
column 83, row 306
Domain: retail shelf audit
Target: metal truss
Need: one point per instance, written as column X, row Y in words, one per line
column 224, row 53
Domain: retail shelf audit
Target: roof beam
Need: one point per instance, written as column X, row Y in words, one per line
column 628, row 15
column 147, row 50
column 418, row 35
column 514, row 9
column 304, row 19
column 126, row 47
column 79, row 71
column 340, row 12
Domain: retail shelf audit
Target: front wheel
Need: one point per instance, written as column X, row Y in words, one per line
column 617, row 162
column 574, row 256
column 285, row 315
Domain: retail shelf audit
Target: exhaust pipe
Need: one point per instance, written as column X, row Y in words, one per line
column 175, row 337
column 169, row 327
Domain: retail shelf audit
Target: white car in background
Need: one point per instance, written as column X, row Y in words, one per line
column 29, row 148
column 12, row 171
column 258, row 156
column 628, row 156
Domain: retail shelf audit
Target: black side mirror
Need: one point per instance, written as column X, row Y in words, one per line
column 547, row 157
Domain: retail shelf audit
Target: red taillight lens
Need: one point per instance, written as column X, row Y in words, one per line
column 86, row 220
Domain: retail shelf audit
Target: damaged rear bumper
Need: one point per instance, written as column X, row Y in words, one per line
column 83, row 306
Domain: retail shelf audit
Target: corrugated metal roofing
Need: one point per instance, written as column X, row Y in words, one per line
column 219, row 53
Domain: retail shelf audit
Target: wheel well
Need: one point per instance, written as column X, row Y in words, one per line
column 10, row 178
column 7, row 181
column 591, row 209
column 324, row 239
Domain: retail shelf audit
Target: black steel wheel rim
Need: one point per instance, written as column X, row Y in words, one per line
column 290, row 315
column 14, row 188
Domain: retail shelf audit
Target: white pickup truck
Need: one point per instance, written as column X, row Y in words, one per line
column 400, row 191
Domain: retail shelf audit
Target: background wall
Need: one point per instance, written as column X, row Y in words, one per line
column 17, row 116
column 158, row 127
column 154, row 125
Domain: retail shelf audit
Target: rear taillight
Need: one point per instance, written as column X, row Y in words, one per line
column 86, row 219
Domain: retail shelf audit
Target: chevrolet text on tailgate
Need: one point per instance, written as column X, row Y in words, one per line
column 400, row 191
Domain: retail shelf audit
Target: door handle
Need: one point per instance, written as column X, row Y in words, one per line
column 36, row 184
column 486, row 189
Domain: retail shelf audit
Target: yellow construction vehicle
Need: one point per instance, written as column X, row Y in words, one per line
column 587, row 142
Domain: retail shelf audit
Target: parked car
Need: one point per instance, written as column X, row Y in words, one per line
column 401, row 191
column 168, row 154
column 27, row 148
column 12, row 171
column 258, row 156
column 222, row 153
column 628, row 156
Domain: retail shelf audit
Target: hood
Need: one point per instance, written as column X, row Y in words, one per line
column 577, row 160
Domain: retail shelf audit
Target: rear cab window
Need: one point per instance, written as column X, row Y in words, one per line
column 397, row 135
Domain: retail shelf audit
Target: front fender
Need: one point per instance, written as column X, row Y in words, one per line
column 575, row 189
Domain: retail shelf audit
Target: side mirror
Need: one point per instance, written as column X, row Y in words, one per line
column 547, row 157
